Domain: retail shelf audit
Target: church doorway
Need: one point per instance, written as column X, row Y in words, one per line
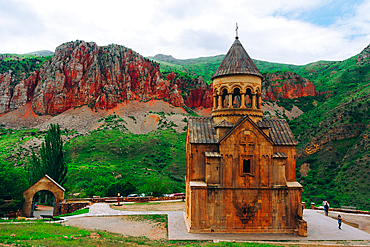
column 43, row 203
column 45, row 191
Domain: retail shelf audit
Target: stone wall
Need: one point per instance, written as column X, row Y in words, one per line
column 126, row 199
column 70, row 207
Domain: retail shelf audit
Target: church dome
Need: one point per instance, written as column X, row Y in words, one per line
column 237, row 87
column 237, row 62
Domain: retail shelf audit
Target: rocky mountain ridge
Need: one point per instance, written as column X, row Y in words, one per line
column 82, row 73
column 286, row 85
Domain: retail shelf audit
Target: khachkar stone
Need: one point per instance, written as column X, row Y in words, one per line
column 240, row 168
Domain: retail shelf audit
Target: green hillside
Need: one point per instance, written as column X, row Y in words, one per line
column 335, row 134
column 203, row 66
column 206, row 66
column 105, row 156
column 21, row 65
column 333, row 154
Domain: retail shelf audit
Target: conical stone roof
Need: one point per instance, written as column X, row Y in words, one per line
column 236, row 62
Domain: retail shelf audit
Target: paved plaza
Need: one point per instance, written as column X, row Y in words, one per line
column 320, row 227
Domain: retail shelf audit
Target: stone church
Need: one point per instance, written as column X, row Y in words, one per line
column 240, row 167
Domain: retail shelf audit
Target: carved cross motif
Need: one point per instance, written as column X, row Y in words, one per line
column 247, row 142
column 246, row 211
column 249, row 146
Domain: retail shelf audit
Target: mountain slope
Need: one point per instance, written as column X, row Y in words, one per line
column 333, row 132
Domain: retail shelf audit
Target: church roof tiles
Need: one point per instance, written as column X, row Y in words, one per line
column 202, row 130
column 279, row 131
column 225, row 124
column 237, row 61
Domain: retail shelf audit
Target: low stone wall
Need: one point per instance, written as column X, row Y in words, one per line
column 127, row 199
column 344, row 210
column 70, row 207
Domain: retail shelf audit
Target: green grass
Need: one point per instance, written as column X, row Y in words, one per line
column 27, row 233
column 25, row 221
column 80, row 211
column 42, row 234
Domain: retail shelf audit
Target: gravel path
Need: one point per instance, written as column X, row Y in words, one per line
column 103, row 209
column 173, row 205
column 125, row 225
column 115, row 221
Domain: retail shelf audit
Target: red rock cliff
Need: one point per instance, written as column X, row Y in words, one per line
column 82, row 73
column 195, row 91
column 286, row 85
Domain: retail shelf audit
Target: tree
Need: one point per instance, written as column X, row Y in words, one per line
column 51, row 160
column 124, row 187
column 156, row 186
column 13, row 180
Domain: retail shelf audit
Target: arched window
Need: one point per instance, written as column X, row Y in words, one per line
column 236, row 98
column 246, row 166
column 215, row 99
column 225, row 99
column 248, row 98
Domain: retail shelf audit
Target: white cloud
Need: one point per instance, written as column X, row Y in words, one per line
column 269, row 29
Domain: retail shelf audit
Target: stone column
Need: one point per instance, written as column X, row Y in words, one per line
column 230, row 100
column 214, row 102
column 259, row 95
column 219, row 102
column 254, row 101
column 242, row 105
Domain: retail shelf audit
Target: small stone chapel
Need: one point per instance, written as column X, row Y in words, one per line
column 241, row 167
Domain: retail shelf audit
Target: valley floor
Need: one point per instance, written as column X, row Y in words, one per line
column 322, row 230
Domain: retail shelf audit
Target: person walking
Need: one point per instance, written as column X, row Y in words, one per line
column 326, row 208
column 339, row 222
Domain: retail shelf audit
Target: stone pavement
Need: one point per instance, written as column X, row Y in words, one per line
column 320, row 227
column 45, row 212
column 103, row 209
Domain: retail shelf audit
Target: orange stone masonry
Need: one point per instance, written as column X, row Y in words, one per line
column 45, row 183
column 240, row 168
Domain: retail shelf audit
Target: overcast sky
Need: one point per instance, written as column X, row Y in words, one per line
column 288, row 31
